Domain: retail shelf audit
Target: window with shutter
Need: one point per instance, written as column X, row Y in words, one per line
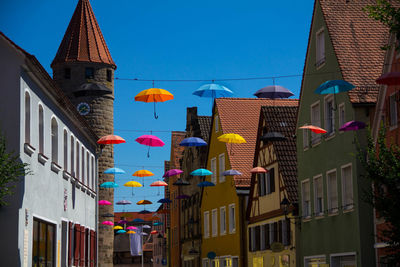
column 257, row 237
column 332, row 192
column 305, row 195
column 329, row 116
column 347, row 185
column 271, row 233
column 82, row 247
column 70, row 243
column 77, row 238
column 261, row 184
column 221, row 162
column 320, row 48
column 318, row 196
column 214, row 170
column 270, row 181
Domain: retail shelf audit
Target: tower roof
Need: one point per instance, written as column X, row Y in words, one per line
column 83, row 40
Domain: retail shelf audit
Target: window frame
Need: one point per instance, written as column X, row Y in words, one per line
column 206, row 222
column 221, row 167
column 327, row 99
column 222, row 223
column 54, row 139
column 341, row 123
column 214, row 222
column 213, row 167
column 232, row 223
column 315, row 138
column 309, row 198
column 345, row 206
column 320, row 62
column 332, row 211
column 393, row 116
column 315, row 188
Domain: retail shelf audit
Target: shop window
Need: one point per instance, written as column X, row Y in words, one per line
column 43, row 243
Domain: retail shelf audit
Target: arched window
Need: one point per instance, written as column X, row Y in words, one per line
column 65, row 150
column 77, row 160
column 93, row 174
column 41, row 130
column 87, row 169
column 27, row 118
column 54, row 140
column 72, row 156
column 83, row 165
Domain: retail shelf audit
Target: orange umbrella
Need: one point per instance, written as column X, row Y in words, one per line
column 159, row 183
column 142, row 173
column 111, row 140
column 144, row 202
column 313, row 128
column 258, row 170
column 154, row 95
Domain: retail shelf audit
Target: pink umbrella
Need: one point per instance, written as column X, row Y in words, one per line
column 149, row 140
column 107, row 223
column 258, row 170
column 172, row 172
column 104, row 202
column 159, row 183
column 131, row 228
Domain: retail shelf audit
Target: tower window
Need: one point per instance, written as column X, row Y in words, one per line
column 89, row 73
column 67, row 73
column 109, row 75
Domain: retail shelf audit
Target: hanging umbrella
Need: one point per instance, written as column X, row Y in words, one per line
column 273, row 136
column 150, row 141
column 273, row 91
column 124, row 202
column 231, row 172
column 180, row 182
column 108, row 185
column 114, row 171
column 144, row 202
column 138, row 220
column 142, row 173
column 122, row 222
column 213, row 90
column 107, row 215
column 131, row 228
column 205, row 184
column 146, row 226
column 258, row 170
column 164, row 200
column 157, row 223
column 154, row 95
column 183, row 196
column 117, row 227
column 111, row 140
column 144, row 212
column 154, row 232
column 313, row 128
column 172, row 172
column 390, row 78
column 121, row 232
column 334, row 87
column 132, row 184
column 352, row 126
column 131, row 232
column 107, row 223
column 159, row 183
column 231, row 138
column 143, row 233
column 201, row 172
column 104, row 202
column 193, row 141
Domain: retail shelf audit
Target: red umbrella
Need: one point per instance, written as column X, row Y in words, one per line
column 154, row 232
column 390, row 78
column 111, row 140
column 149, row 140
column 313, row 128
column 258, row 170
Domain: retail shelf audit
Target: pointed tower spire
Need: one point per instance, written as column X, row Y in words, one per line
column 83, row 40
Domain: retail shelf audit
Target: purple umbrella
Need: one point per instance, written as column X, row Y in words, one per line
column 352, row 126
column 231, row 172
column 182, row 197
column 273, row 91
column 124, row 202
column 172, row 172
column 122, row 222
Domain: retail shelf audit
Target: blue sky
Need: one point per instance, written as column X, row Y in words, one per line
column 174, row 39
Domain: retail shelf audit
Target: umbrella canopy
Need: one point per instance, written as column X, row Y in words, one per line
column 108, row 185
column 273, row 136
column 390, row 78
column 352, row 126
column 142, row 173
column 150, row 140
column 213, row 90
column 183, row 196
column 180, row 182
column 114, row 171
column 146, row 226
column 273, row 91
column 121, row 232
column 231, row 172
column 122, row 222
column 107, row 215
column 172, row 172
column 133, row 184
column 111, row 140
column 164, row 200
column 131, row 228
column 143, row 233
column 258, row 170
column 107, row 223
column 124, row 202
column 144, row 212
column 154, row 95
column 334, row 87
column 157, row 223
column 201, row 172
column 144, row 202
column 313, row 128
column 117, row 227
column 104, row 202
column 138, row 220
column 231, row 138
column 154, row 232
column 205, row 184
column 193, row 141
column 131, row 232
column 159, row 183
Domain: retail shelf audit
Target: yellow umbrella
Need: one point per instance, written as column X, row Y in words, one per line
column 117, row 227
column 133, row 184
column 144, row 202
column 154, row 95
column 131, row 232
column 231, row 138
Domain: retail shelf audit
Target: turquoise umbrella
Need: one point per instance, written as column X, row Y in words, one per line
column 201, row 172
column 114, row 171
column 108, row 185
column 121, row 232
column 334, row 87
column 213, row 90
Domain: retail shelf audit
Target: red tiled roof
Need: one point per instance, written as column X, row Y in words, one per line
column 241, row 116
column 130, row 216
column 357, row 41
column 83, row 40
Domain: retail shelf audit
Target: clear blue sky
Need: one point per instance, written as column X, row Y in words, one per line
column 172, row 40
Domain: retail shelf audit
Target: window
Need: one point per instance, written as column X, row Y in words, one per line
column 305, row 194
column 252, row 244
column 285, row 232
column 41, row 130
column 109, row 75
column 27, row 118
column 214, row 219
column 43, row 243
column 265, row 238
column 347, row 184
column 261, row 184
column 306, row 141
column 89, row 73
column 221, row 162
column 216, row 123
column 343, row 260
column 65, row 150
column 222, row 220
column 393, row 109
column 341, row 115
column 67, row 73
column 206, row 262
column 93, row 174
column 87, row 169
column 54, row 140
column 235, row 262
column 232, row 218
column 206, row 224
column 320, row 48
column 329, row 116
column 318, row 196
column 72, row 156
column 316, row 121
column 332, row 192
column 272, row 231
column 316, row 261
column 214, row 170
column 83, row 165
column 270, row 181
column 77, row 160
column 215, row 263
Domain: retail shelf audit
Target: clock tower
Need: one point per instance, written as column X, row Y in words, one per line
column 84, row 70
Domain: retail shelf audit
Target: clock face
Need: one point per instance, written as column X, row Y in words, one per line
column 83, row 108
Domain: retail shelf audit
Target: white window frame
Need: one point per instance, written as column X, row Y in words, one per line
column 330, row 209
column 65, row 148
column 232, row 223
column 216, row 123
column 205, row 262
column 54, row 139
column 309, row 198
column 328, row 99
column 315, row 138
column 320, row 59
column 27, row 116
column 222, row 220
column 213, row 165
column 306, row 139
column 341, row 120
column 313, row 257
column 206, row 224
column 343, row 255
column 320, row 213
column 214, row 222
column 393, row 116
column 221, row 167
column 41, row 127
column 346, row 206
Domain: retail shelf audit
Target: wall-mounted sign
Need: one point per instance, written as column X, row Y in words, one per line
column 277, row 247
column 65, row 199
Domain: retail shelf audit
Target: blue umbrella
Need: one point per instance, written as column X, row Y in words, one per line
column 157, row 223
column 333, row 87
column 231, row 172
column 108, row 185
column 138, row 220
column 201, row 172
column 193, row 141
column 144, row 212
column 114, row 171
column 273, row 91
column 121, row 231
column 164, row 200
column 205, row 184
column 213, row 90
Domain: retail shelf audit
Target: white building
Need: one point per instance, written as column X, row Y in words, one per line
column 51, row 217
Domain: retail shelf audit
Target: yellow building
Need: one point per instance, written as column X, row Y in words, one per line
column 273, row 195
column 223, row 206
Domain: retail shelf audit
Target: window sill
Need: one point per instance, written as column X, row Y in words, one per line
column 222, row 234
column 393, row 127
column 333, row 212
column 329, row 136
column 66, row 175
column 28, row 149
column 319, row 216
column 42, row 158
column 316, row 142
column 320, row 63
column 307, row 219
column 348, row 210
column 55, row 167
column 305, row 148
column 232, row 232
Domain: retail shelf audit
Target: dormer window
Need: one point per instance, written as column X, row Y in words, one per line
column 89, row 73
column 67, row 73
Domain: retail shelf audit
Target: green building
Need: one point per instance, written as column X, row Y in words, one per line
column 335, row 224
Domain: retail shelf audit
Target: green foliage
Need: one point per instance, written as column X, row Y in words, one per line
column 382, row 165
column 389, row 15
column 11, row 169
